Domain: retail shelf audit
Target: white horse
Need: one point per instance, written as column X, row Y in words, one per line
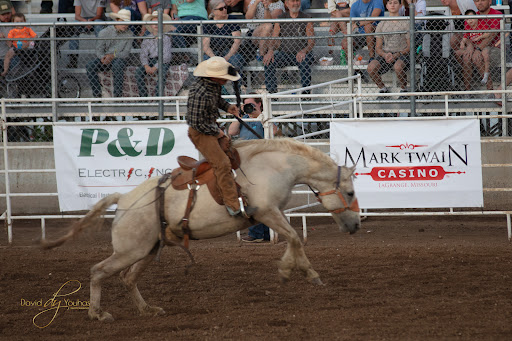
column 271, row 168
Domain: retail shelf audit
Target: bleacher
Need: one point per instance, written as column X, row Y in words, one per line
column 254, row 68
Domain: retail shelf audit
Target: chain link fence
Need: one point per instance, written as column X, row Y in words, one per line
column 67, row 60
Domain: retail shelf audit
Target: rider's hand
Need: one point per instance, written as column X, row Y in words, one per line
column 233, row 110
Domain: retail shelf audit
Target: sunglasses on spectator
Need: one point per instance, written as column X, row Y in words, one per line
column 222, row 8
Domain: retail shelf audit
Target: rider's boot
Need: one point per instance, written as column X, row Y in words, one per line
column 243, row 211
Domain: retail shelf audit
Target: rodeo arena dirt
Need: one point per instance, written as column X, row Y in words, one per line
column 427, row 157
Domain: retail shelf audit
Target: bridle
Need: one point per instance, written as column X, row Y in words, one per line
column 354, row 206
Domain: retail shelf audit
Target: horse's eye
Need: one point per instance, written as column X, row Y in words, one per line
column 350, row 194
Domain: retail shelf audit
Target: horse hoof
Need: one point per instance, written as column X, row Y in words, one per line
column 283, row 279
column 103, row 316
column 317, row 281
column 153, row 311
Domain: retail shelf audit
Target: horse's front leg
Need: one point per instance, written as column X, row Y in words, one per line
column 294, row 256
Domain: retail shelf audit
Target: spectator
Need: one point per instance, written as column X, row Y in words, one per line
column 338, row 9
column 86, row 11
column 457, row 7
column 392, row 49
column 111, row 53
column 149, row 52
column 137, row 8
column 155, row 5
column 365, row 9
column 471, row 42
column 262, row 9
column 187, row 10
column 486, row 41
column 6, row 10
column 17, row 44
column 291, row 52
column 260, row 232
column 223, row 47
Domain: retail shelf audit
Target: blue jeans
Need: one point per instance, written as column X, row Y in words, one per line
column 117, row 65
column 73, row 44
column 140, row 76
column 237, row 60
column 260, row 231
column 282, row 59
column 182, row 42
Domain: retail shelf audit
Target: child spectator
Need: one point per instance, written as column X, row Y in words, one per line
column 17, row 44
column 149, row 52
column 471, row 41
column 392, row 49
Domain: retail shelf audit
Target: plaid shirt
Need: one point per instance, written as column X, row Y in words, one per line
column 203, row 105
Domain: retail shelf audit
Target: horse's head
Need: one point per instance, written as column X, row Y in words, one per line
column 338, row 197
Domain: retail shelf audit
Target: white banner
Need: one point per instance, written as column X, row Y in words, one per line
column 412, row 164
column 93, row 161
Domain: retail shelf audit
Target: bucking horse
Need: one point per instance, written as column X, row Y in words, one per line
column 269, row 171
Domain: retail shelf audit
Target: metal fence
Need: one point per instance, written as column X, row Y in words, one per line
column 63, row 63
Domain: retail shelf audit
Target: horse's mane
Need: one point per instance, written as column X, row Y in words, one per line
column 254, row 147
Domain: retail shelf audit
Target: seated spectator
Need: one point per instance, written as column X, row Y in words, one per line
column 111, row 53
column 18, row 45
column 6, row 12
column 149, row 53
column 262, row 9
column 223, row 47
column 137, row 8
column 487, row 40
column 86, row 11
column 457, row 7
column 367, row 10
column 338, row 9
column 291, row 52
column 471, row 43
column 392, row 49
column 187, row 10
column 155, row 5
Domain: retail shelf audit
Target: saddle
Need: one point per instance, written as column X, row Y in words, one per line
column 194, row 172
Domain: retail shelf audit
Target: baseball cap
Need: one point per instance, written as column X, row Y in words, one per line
column 5, row 6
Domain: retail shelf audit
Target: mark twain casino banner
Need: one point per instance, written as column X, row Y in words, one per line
column 93, row 161
column 407, row 164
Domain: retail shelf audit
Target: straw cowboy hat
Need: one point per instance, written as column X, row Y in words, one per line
column 216, row 67
column 124, row 15
column 150, row 17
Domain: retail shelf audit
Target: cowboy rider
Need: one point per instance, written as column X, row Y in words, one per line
column 204, row 102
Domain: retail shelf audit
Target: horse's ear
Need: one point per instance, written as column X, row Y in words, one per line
column 347, row 172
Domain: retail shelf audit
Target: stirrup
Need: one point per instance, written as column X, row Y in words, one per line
column 244, row 211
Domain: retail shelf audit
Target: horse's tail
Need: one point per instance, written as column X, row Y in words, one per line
column 92, row 218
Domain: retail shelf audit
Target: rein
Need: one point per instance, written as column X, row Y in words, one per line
column 353, row 207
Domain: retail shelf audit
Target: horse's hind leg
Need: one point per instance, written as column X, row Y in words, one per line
column 130, row 276
column 294, row 256
column 104, row 269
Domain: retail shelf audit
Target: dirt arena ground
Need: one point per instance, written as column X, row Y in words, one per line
column 397, row 279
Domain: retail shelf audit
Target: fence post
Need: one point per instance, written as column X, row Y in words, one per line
column 200, row 43
column 503, row 66
column 160, row 65
column 412, row 55
column 53, row 70
column 6, row 174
